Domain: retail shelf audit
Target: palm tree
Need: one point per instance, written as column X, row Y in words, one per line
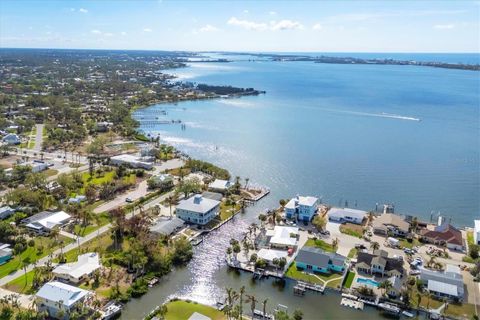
column 232, row 296
column 242, row 292
column 253, row 302
column 25, row 264
column 264, row 309
column 335, row 242
column 171, row 201
column 385, row 285
column 374, row 246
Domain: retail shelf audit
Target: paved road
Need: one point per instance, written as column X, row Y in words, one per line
column 140, row 189
column 39, row 137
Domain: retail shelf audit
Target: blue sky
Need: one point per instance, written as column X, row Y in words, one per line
column 294, row 26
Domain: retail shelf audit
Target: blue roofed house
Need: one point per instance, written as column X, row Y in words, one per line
column 301, row 208
column 197, row 209
column 57, row 296
column 313, row 259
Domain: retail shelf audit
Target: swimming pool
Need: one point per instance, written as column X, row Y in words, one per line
column 368, row 282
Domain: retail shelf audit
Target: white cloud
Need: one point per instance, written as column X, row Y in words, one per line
column 108, row 34
column 72, row 9
column 123, row 33
column 96, row 31
column 147, row 30
column 245, row 11
column 249, row 25
column 208, row 28
column 317, row 26
column 83, row 10
column 262, row 26
column 272, row 13
column 444, row 26
column 285, row 25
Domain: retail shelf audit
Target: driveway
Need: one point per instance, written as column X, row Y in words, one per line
column 38, row 138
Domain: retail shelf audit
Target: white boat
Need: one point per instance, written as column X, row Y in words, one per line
column 408, row 314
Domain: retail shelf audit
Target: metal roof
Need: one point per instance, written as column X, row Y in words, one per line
column 442, row 287
column 58, row 291
column 198, row 204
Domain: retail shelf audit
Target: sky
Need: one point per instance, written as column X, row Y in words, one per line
column 268, row 26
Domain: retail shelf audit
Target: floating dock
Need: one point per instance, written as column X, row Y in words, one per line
column 346, row 302
column 311, row 286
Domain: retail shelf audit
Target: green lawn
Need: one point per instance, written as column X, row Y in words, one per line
column 335, row 283
column 352, row 253
column 404, row 243
column 352, row 230
column 226, row 211
column 104, row 177
column 320, row 244
column 470, row 239
column 349, row 279
column 85, row 230
column 32, row 253
column 293, row 273
column 182, row 310
column 20, row 285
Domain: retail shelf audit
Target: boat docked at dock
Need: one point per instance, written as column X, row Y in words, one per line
column 389, row 308
column 111, row 310
column 346, row 302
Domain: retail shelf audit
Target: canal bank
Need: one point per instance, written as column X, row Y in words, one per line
column 206, row 277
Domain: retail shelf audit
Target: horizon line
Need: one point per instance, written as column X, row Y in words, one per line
column 240, row 51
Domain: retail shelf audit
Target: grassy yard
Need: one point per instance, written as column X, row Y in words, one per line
column 179, row 171
column 349, row 279
column 104, row 177
column 352, row 253
column 351, row 229
column 50, row 172
column 320, row 244
column 32, row 253
column 293, row 273
column 404, row 243
column 100, row 244
column 470, row 239
column 21, row 284
column 227, row 211
column 180, row 310
column 85, row 230
column 335, row 283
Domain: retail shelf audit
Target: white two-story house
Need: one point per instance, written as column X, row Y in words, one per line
column 197, row 209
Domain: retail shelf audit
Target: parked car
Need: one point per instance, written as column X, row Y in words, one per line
column 129, row 200
column 360, row 246
column 414, row 272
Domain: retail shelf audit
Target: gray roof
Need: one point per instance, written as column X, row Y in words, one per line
column 58, row 291
column 452, row 278
column 198, row 204
column 212, row 195
column 318, row 257
column 445, row 288
column 166, row 226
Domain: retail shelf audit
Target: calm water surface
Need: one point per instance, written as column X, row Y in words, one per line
column 346, row 133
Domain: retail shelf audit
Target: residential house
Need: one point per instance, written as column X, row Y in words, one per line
column 36, row 166
column 197, row 209
column 396, row 288
column 219, row 185
column 379, row 264
column 12, row 139
column 444, row 235
column 45, row 221
column 59, row 299
column 301, row 208
column 346, row 215
column 444, row 284
column 131, row 161
column 6, row 253
column 271, row 254
column 162, row 181
column 77, row 199
column 6, row 212
column 389, row 223
column 313, row 259
column 282, row 237
column 476, row 232
column 166, row 226
column 79, row 271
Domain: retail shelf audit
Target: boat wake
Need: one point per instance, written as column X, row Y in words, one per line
column 378, row 115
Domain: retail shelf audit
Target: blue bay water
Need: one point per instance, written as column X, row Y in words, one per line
column 364, row 134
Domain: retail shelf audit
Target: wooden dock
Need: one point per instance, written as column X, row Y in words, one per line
column 311, row 286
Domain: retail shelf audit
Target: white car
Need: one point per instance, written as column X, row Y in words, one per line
column 414, row 272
